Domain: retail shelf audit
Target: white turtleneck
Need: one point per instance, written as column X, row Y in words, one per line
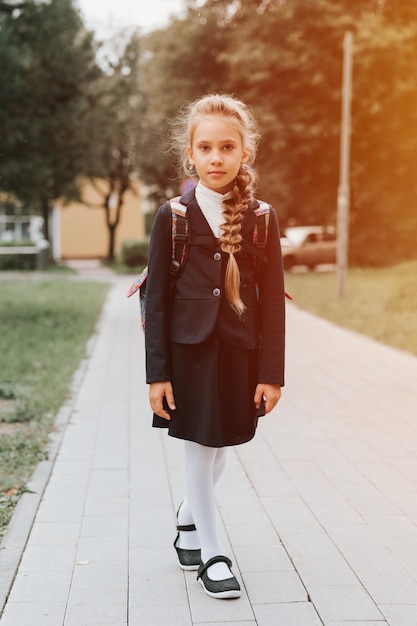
column 210, row 203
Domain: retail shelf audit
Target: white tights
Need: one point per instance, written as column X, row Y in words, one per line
column 203, row 467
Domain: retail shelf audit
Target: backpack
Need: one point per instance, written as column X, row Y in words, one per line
column 181, row 240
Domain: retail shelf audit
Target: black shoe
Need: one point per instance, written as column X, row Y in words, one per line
column 227, row 588
column 188, row 559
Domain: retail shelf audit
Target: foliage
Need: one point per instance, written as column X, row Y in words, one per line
column 384, row 145
column 47, row 60
column 134, row 253
column 293, row 81
column 45, row 327
column 65, row 116
column 61, row 115
column 379, row 302
column 179, row 64
column 285, row 59
column 18, row 261
column 114, row 130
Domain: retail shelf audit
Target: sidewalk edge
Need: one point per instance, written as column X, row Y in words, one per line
column 20, row 526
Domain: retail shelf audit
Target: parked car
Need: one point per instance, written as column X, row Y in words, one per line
column 308, row 245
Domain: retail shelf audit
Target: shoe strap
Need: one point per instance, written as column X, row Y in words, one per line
column 189, row 527
column 215, row 559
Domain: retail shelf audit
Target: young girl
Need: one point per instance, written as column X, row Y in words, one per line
column 215, row 342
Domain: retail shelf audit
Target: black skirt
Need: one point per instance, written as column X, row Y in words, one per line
column 214, row 385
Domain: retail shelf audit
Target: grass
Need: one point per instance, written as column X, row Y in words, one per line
column 121, row 268
column 45, row 327
column 381, row 303
column 44, row 330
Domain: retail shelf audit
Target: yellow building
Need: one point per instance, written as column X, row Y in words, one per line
column 79, row 229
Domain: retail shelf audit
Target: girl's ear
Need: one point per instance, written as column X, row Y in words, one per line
column 245, row 155
column 190, row 155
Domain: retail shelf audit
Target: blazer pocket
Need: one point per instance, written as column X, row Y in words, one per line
column 193, row 320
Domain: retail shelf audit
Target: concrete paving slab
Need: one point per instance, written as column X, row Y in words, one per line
column 48, row 613
column 290, row 614
column 318, row 512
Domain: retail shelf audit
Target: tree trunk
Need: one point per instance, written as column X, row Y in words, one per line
column 112, row 226
column 112, row 236
column 46, row 214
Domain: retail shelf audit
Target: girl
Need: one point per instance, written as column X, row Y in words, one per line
column 214, row 342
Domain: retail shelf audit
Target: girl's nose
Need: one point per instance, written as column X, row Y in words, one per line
column 216, row 157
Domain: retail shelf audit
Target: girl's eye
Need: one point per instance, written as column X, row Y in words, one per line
column 204, row 148
column 228, row 147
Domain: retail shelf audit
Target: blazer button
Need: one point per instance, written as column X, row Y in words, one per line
column 216, row 292
column 217, row 256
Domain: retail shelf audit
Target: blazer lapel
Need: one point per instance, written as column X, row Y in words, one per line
column 197, row 221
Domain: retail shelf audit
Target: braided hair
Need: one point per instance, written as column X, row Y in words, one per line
column 238, row 200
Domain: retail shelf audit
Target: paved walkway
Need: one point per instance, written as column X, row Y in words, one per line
column 319, row 511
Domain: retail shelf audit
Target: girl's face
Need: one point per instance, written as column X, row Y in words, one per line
column 217, row 151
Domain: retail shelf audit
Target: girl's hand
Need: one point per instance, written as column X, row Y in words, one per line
column 157, row 392
column 270, row 393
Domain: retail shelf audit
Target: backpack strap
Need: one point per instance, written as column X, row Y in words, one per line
column 181, row 238
column 179, row 234
column 260, row 234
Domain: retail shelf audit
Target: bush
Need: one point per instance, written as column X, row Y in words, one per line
column 18, row 261
column 134, row 252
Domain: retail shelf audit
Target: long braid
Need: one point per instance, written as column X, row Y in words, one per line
column 242, row 193
column 234, row 207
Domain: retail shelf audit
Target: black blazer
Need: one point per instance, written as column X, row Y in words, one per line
column 196, row 306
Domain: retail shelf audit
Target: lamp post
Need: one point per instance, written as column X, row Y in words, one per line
column 343, row 192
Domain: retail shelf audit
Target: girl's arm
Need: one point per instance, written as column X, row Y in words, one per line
column 272, row 299
column 157, row 322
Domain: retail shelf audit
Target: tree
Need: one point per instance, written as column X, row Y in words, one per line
column 47, row 60
column 179, row 63
column 114, row 129
column 285, row 60
column 292, row 78
column 384, row 139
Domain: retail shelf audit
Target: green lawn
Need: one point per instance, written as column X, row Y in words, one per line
column 381, row 303
column 45, row 327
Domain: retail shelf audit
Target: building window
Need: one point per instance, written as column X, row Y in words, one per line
column 16, row 227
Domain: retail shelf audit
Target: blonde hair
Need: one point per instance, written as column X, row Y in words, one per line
column 242, row 193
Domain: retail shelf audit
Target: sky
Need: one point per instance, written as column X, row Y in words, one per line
column 106, row 15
